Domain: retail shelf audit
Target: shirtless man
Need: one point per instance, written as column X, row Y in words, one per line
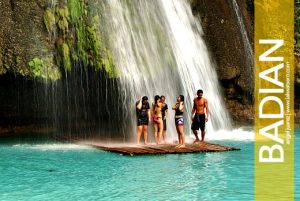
column 199, row 119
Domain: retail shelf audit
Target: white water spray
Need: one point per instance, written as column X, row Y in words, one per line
column 247, row 46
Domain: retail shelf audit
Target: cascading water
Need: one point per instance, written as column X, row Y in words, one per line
column 159, row 49
column 247, row 46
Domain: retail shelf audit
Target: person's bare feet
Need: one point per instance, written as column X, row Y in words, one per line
column 196, row 140
column 177, row 145
column 201, row 143
column 181, row 146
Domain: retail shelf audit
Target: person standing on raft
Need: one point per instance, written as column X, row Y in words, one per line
column 199, row 119
column 164, row 112
column 179, row 122
column 143, row 118
column 157, row 119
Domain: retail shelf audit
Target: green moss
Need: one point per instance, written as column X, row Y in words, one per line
column 49, row 20
column 65, row 52
column 61, row 18
column 63, row 56
column 93, row 45
column 78, row 37
column 76, row 8
column 49, row 71
column 36, row 65
column 81, row 44
column 18, row 60
column 2, row 71
column 109, row 65
column 73, row 52
column 44, row 68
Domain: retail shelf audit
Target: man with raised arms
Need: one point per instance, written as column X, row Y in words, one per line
column 199, row 116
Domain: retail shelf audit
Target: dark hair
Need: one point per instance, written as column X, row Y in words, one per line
column 144, row 98
column 162, row 96
column 199, row 91
column 156, row 98
column 181, row 98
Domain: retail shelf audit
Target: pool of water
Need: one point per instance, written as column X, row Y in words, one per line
column 53, row 171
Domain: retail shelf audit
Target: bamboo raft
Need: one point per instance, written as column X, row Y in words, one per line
column 163, row 149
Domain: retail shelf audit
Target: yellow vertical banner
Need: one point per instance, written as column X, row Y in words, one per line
column 274, row 100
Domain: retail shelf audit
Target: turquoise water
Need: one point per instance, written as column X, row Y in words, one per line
column 52, row 171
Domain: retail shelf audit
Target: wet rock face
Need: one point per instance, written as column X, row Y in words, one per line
column 22, row 35
column 44, row 38
column 223, row 37
column 224, row 40
column 241, row 114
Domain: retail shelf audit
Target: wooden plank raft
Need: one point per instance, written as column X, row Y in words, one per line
column 163, row 149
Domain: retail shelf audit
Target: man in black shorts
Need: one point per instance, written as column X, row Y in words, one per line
column 143, row 118
column 164, row 112
column 199, row 109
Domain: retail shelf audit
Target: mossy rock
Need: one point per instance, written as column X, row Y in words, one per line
column 109, row 65
column 61, row 17
column 49, row 20
column 76, row 8
column 63, row 56
column 66, row 56
column 44, row 69
column 78, row 37
column 36, row 65
column 2, row 71
column 50, row 71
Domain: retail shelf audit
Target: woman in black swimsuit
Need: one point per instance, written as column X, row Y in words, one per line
column 179, row 122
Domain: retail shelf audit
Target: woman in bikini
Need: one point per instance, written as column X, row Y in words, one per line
column 179, row 122
column 157, row 119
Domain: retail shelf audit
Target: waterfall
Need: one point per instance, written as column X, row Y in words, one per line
column 159, row 48
column 247, row 46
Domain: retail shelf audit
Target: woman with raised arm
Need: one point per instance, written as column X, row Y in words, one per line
column 179, row 122
column 143, row 118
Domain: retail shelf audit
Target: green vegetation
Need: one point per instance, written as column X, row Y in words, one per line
column 74, row 37
column 76, row 8
column 49, row 71
column 49, row 20
column 109, row 65
column 64, row 56
column 61, row 18
column 78, row 37
column 36, row 65
column 2, row 71
column 44, row 69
